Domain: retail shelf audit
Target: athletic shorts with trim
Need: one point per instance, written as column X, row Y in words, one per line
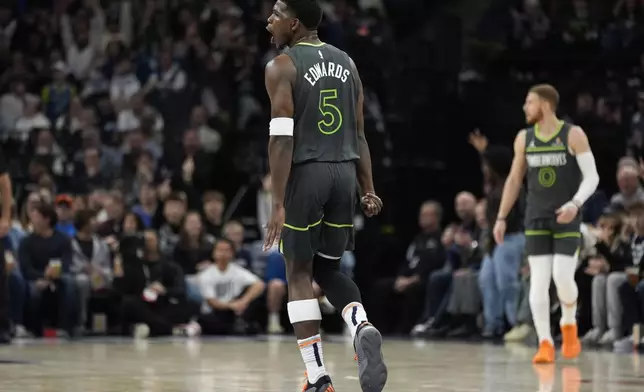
column 544, row 236
column 320, row 204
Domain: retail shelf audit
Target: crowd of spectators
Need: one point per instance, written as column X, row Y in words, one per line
column 122, row 137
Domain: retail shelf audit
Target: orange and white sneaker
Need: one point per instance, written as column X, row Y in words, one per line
column 324, row 384
column 570, row 346
column 545, row 355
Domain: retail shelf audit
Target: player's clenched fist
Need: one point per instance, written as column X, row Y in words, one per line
column 371, row 204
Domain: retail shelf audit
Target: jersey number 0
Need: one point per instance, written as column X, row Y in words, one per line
column 331, row 115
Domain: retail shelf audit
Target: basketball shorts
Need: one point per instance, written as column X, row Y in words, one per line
column 544, row 236
column 320, row 203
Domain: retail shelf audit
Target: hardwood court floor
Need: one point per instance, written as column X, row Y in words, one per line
column 275, row 365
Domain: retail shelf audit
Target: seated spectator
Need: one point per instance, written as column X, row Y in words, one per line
column 114, row 207
column 58, row 95
column 630, row 190
column 132, row 225
column 174, row 210
column 231, row 293
column 91, row 260
column 524, row 326
column 148, row 206
column 608, row 270
column 397, row 301
column 631, row 293
column 45, row 258
column 193, row 253
column 64, row 215
column 465, row 300
column 234, row 231
column 276, row 291
column 214, row 204
column 153, row 288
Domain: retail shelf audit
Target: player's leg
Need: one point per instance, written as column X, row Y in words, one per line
column 342, row 292
column 567, row 240
column 299, row 238
column 539, row 249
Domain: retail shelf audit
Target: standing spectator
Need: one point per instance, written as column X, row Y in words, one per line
column 91, row 260
column 397, row 301
column 499, row 276
column 193, row 252
column 154, row 294
column 45, row 259
column 230, row 291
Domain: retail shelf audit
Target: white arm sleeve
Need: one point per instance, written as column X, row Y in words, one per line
column 586, row 162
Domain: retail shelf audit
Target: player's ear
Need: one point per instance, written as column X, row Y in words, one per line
column 295, row 24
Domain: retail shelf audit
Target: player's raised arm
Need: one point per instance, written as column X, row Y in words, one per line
column 512, row 186
column 580, row 148
column 370, row 202
column 279, row 77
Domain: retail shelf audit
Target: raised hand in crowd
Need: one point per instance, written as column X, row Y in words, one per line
column 477, row 140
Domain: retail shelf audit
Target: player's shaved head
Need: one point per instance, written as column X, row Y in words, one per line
column 547, row 93
column 308, row 12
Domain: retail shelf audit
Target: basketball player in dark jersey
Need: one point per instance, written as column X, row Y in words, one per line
column 5, row 224
column 561, row 174
column 317, row 154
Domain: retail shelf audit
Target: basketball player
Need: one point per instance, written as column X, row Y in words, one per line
column 317, row 148
column 561, row 176
column 6, row 196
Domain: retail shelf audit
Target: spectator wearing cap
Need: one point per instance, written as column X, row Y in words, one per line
column 628, row 181
column 64, row 215
column 45, row 258
column 91, row 260
column 174, row 210
column 58, row 95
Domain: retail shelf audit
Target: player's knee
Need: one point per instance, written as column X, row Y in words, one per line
column 297, row 271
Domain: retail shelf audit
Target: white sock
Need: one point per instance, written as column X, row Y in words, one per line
column 273, row 318
column 354, row 315
column 540, row 277
column 311, row 350
column 563, row 273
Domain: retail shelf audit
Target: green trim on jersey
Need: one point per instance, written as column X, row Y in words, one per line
column 545, row 139
column 296, row 228
column 310, row 44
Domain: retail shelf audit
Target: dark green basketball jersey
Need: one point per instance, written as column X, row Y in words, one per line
column 553, row 173
column 325, row 97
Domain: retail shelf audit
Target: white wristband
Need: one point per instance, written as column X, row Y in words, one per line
column 281, row 126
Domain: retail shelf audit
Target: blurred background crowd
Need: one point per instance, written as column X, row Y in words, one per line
column 136, row 131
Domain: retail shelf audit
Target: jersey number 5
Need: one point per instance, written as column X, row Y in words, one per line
column 331, row 115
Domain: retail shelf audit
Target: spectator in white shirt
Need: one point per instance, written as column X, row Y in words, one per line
column 231, row 293
column 124, row 84
column 31, row 119
column 209, row 138
column 12, row 105
column 131, row 118
column 84, row 44
column 169, row 76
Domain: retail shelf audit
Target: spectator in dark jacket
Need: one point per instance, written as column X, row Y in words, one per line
column 608, row 266
column 193, row 253
column 154, row 294
column 45, row 258
column 398, row 301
